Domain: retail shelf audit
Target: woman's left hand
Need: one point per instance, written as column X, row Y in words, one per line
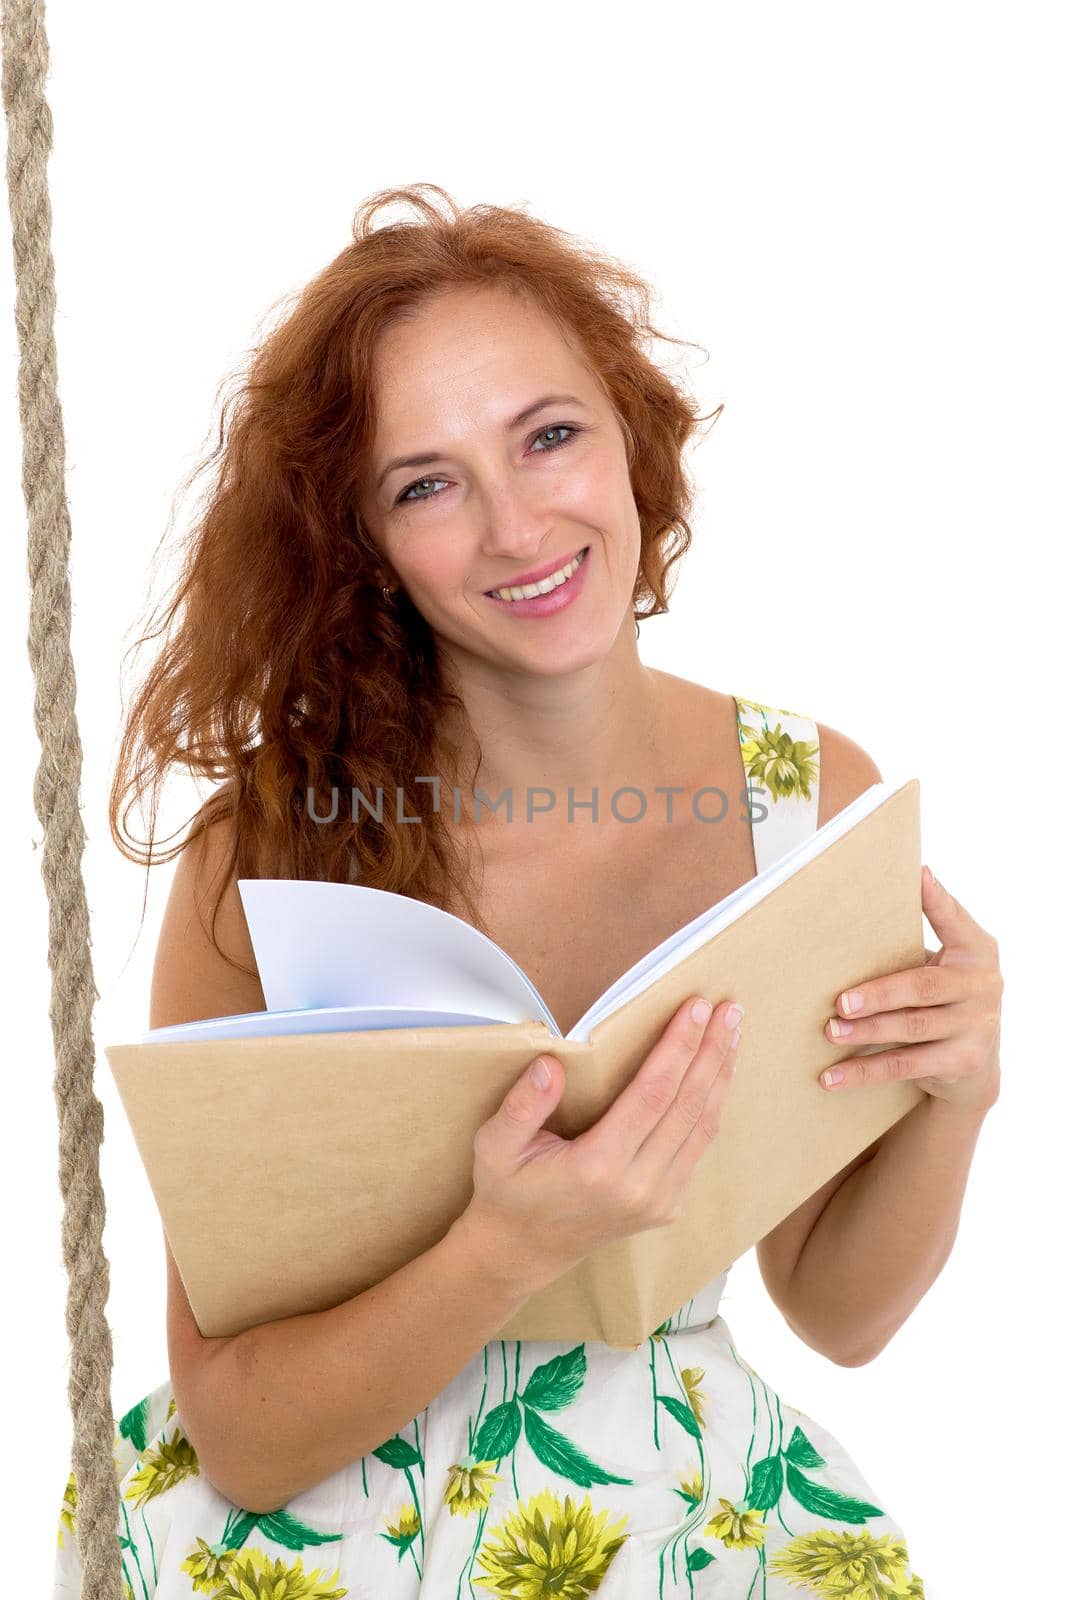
column 951, row 1004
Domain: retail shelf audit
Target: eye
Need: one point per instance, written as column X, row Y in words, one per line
column 402, row 497
column 557, row 428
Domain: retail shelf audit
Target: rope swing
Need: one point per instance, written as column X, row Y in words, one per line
column 55, row 794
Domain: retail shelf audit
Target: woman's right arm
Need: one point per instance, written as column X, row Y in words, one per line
column 280, row 1407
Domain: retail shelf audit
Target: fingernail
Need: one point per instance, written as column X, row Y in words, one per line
column 735, row 1038
column 852, row 1000
column 734, row 1013
column 831, row 1076
column 540, row 1074
column 840, row 1030
column 700, row 1011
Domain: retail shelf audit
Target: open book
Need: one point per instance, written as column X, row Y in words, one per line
column 336, row 956
column 300, row 1154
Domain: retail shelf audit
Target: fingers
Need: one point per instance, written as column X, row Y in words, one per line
column 650, row 1098
column 524, row 1108
column 692, row 1121
column 705, row 1130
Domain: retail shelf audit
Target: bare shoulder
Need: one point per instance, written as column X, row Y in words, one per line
column 845, row 771
column 684, row 696
column 699, row 718
column 205, row 965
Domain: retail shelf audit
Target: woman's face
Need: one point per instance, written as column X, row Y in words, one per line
column 493, row 498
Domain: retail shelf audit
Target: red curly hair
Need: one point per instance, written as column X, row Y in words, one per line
column 285, row 670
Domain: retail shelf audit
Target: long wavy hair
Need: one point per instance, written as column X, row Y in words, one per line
column 285, row 674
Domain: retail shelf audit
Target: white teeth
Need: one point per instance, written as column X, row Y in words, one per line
column 553, row 581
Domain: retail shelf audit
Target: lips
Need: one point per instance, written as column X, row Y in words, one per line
column 537, row 574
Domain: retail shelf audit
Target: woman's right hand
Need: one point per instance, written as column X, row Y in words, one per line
column 541, row 1203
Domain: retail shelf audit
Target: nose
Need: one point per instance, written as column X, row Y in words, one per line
column 516, row 524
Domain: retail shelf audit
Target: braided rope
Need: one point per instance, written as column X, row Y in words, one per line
column 55, row 793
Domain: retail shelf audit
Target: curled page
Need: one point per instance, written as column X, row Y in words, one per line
column 342, row 944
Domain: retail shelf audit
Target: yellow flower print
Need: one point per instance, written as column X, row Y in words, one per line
column 774, row 760
column 848, row 1566
column 166, row 1464
column 70, row 1505
column 691, row 1489
column 407, row 1524
column 772, row 711
column 160, row 1472
column 252, row 1575
column 691, row 1376
column 468, row 1487
column 207, row 1565
column 737, row 1529
column 544, row 1550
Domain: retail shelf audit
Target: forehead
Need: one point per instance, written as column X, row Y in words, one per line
column 472, row 352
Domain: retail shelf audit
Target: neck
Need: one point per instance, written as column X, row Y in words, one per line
column 592, row 729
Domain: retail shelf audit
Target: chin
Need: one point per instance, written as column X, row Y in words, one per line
column 574, row 654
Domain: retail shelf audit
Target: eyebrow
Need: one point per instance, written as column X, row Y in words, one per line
column 427, row 458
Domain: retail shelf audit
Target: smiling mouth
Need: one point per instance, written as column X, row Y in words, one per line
column 528, row 591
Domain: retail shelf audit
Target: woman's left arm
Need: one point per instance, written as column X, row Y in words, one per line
column 888, row 1230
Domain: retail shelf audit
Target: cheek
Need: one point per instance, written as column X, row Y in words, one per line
column 599, row 496
column 433, row 565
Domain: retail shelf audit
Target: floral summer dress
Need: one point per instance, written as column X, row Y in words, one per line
column 545, row 1469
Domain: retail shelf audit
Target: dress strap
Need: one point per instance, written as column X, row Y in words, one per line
column 780, row 753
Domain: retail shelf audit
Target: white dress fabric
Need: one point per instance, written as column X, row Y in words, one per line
column 545, row 1470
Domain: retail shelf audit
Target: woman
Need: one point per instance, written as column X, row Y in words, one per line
column 459, row 413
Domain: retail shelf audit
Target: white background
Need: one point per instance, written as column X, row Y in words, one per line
column 855, row 211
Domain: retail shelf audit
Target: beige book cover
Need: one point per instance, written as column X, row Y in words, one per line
column 292, row 1172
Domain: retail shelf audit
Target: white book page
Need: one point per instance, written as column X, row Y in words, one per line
column 342, row 944
column 321, row 1019
column 677, row 946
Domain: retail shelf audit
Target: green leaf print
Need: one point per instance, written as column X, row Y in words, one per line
column 802, row 1452
column 287, row 1530
column 827, row 1502
column 681, row 1413
column 555, row 1383
column 397, row 1452
column 766, row 1488
column 499, row 1432
column 281, row 1526
column 563, row 1457
column 237, row 1532
column 134, row 1425
column 698, row 1559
